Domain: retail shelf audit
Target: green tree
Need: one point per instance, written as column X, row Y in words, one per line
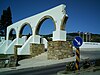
column 5, row 21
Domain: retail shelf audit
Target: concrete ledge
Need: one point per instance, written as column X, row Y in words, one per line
column 59, row 35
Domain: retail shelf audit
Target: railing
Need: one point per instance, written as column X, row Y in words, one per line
column 4, row 45
column 25, row 49
column 10, row 48
column 1, row 43
column 45, row 42
column 17, row 41
column 21, row 41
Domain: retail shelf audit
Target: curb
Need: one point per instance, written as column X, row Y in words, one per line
column 62, row 73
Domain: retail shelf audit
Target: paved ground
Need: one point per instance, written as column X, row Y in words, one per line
column 84, row 73
column 41, row 60
column 38, row 61
column 47, row 70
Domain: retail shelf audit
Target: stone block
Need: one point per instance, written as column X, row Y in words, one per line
column 36, row 49
column 12, row 61
column 59, row 50
column 2, row 63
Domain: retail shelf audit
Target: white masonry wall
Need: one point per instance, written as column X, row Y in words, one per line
column 56, row 13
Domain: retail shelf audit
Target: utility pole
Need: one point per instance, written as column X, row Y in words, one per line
column 83, row 36
column 79, row 33
column 86, row 36
column 89, row 37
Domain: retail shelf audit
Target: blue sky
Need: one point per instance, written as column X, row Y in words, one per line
column 84, row 15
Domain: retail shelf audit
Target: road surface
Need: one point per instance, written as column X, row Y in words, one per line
column 52, row 69
column 47, row 70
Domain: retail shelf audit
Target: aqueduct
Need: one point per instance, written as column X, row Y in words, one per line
column 57, row 14
column 36, row 20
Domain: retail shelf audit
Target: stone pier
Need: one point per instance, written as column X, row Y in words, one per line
column 36, row 49
column 59, row 50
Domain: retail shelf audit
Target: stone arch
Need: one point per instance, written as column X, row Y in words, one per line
column 22, row 27
column 63, row 22
column 41, row 21
column 11, row 36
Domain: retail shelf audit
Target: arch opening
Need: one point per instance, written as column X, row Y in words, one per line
column 26, row 30
column 45, row 28
column 12, row 34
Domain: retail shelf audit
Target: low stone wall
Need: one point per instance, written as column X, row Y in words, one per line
column 36, row 49
column 12, row 62
column 59, row 50
column 2, row 63
column 9, row 61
